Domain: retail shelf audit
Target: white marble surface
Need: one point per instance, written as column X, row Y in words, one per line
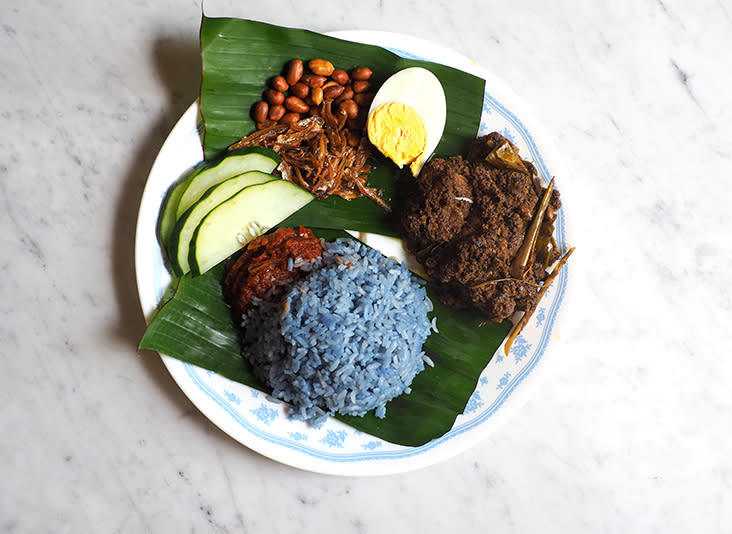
column 632, row 432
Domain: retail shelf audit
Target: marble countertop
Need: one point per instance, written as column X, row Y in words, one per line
column 632, row 430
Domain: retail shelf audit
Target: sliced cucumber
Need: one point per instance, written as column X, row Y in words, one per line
column 241, row 218
column 167, row 217
column 232, row 164
column 169, row 208
column 183, row 232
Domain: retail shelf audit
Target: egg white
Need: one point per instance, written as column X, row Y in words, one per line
column 419, row 89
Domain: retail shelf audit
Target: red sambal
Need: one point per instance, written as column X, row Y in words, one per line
column 269, row 261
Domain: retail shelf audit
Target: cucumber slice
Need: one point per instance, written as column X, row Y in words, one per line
column 181, row 237
column 241, row 218
column 232, row 164
column 167, row 217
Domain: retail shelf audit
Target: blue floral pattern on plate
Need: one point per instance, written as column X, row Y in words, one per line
column 334, row 438
column 265, row 414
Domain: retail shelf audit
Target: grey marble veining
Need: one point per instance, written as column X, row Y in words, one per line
column 630, row 433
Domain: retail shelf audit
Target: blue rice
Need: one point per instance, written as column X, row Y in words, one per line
column 345, row 339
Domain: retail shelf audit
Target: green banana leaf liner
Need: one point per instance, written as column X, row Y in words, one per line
column 241, row 56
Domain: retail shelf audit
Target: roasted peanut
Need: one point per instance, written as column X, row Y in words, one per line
column 294, row 71
column 361, row 86
column 350, row 107
column 274, row 97
column 264, row 124
column 355, row 124
column 277, row 112
column 313, row 80
column 297, row 105
column 354, row 137
column 359, row 121
column 321, row 67
column 289, row 118
column 347, row 94
column 340, row 76
column 364, row 99
column 363, row 114
column 305, row 85
column 300, row 90
column 316, row 95
column 361, row 73
column 280, row 84
column 261, row 110
column 332, row 91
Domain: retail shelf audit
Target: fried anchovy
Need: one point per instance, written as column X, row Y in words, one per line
column 318, row 155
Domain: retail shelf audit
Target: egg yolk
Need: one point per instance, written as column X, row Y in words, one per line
column 398, row 132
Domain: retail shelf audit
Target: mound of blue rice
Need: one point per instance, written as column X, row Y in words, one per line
column 345, row 339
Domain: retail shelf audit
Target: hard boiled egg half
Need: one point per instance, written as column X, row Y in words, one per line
column 407, row 117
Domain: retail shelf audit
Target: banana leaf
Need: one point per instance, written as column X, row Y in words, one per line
column 240, row 56
column 196, row 326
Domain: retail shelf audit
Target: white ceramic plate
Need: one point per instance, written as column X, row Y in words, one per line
column 260, row 422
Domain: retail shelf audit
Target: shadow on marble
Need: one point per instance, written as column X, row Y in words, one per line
column 177, row 64
column 178, row 67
